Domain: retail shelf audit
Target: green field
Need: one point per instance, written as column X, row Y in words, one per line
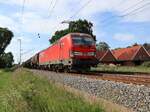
column 21, row 91
column 122, row 69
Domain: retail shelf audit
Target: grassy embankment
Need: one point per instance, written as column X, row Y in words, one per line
column 122, row 69
column 22, row 92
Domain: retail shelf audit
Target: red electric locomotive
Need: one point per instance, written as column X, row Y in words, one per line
column 75, row 51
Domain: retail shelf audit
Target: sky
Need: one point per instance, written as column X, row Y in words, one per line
column 119, row 23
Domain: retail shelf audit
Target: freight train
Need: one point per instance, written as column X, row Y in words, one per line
column 73, row 52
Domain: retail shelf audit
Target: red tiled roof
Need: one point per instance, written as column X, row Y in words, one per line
column 126, row 54
column 100, row 54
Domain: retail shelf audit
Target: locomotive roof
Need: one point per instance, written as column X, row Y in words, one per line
column 80, row 34
column 75, row 34
column 72, row 34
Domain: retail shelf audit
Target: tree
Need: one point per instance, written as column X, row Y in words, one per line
column 102, row 46
column 5, row 38
column 117, row 48
column 79, row 26
column 58, row 35
column 147, row 46
column 135, row 44
column 6, row 60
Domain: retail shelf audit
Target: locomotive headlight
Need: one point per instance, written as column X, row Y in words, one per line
column 91, row 53
column 78, row 53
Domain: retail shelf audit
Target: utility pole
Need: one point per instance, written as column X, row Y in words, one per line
column 66, row 22
column 19, row 40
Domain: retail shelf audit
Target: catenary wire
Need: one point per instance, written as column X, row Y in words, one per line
column 78, row 11
column 125, row 12
column 53, row 7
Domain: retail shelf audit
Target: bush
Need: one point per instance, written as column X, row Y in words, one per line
column 6, row 60
column 146, row 64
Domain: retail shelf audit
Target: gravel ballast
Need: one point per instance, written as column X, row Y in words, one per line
column 136, row 97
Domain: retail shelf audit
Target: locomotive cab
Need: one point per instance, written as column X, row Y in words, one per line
column 83, row 51
column 83, row 47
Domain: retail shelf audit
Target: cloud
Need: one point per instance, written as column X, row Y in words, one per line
column 14, row 46
column 38, row 18
column 8, row 22
column 142, row 16
column 139, row 9
column 120, row 7
column 123, row 37
column 65, row 8
column 33, row 23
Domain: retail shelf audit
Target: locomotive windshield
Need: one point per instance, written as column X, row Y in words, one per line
column 83, row 41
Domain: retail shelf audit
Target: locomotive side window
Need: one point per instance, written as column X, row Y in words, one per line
column 83, row 41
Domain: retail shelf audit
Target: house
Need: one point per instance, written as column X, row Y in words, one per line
column 105, row 57
column 134, row 55
column 149, row 52
column 100, row 54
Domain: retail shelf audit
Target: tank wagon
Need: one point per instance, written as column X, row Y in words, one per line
column 75, row 51
column 33, row 62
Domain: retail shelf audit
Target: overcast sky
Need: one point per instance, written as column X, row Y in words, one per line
column 118, row 22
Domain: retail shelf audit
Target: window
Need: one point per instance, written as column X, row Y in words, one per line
column 83, row 40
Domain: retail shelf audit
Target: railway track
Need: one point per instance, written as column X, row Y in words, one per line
column 137, row 79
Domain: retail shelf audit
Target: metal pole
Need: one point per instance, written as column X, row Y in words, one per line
column 65, row 21
column 20, row 50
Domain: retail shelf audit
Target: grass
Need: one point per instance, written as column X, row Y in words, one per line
column 21, row 91
column 4, row 79
column 122, row 69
